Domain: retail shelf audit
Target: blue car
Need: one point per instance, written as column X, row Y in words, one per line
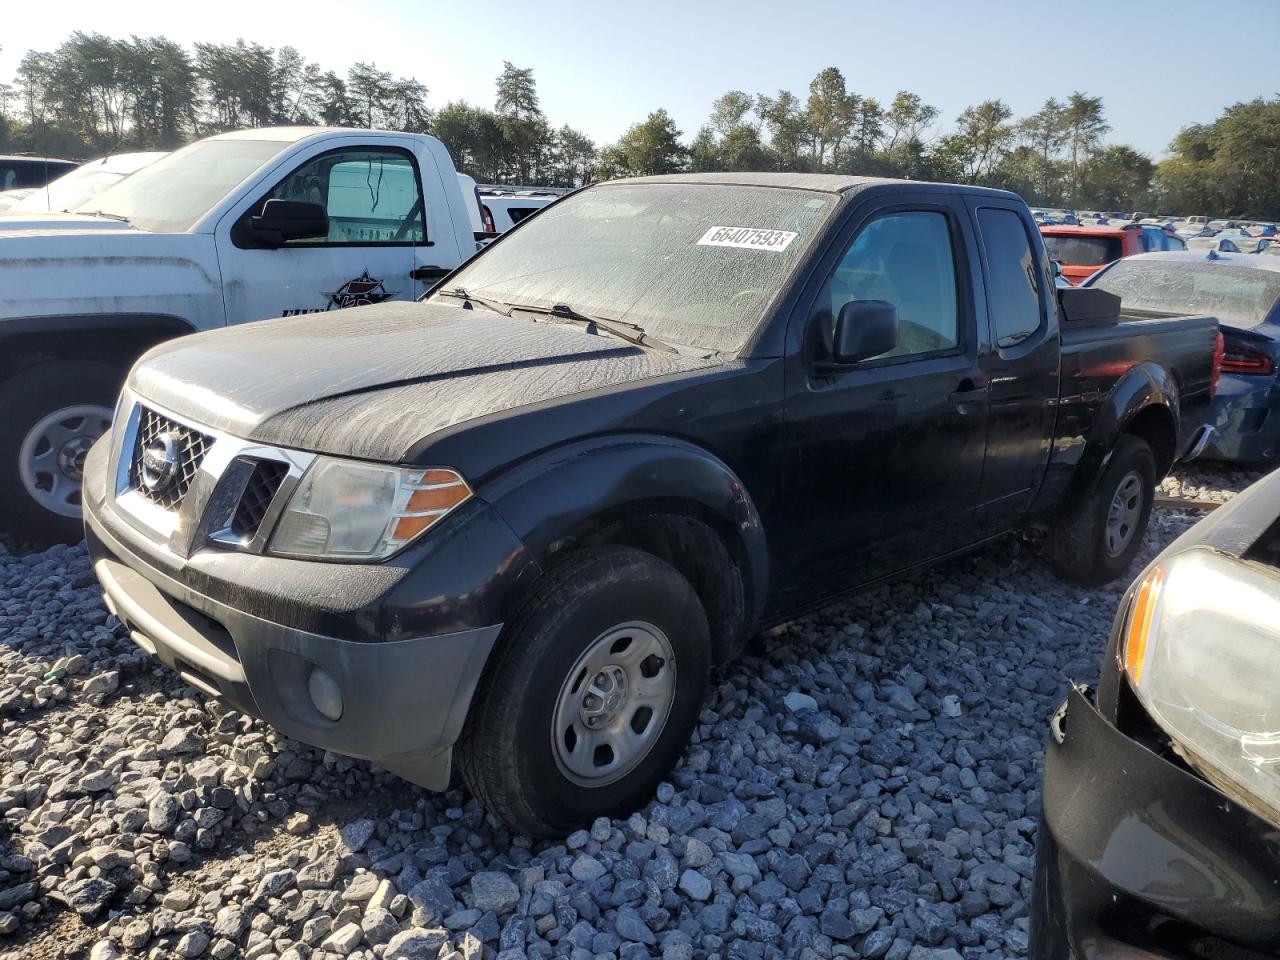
column 1243, row 292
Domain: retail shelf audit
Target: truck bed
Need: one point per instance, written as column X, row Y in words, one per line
column 1178, row 349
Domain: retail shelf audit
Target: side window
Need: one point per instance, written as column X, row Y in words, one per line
column 371, row 196
column 1013, row 290
column 907, row 259
column 1174, row 243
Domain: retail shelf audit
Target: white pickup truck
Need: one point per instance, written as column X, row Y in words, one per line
column 234, row 228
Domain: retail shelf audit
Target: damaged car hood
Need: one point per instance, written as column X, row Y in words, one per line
column 371, row 382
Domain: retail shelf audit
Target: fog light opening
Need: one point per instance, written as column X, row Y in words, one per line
column 325, row 694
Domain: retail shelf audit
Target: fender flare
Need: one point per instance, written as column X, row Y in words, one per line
column 568, row 493
column 36, row 335
column 1144, row 387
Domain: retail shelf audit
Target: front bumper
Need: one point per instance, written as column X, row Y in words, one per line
column 403, row 642
column 1138, row 857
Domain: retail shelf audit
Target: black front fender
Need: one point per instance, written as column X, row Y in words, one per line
column 569, row 493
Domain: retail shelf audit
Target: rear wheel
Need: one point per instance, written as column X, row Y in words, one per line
column 52, row 416
column 592, row 694
column 1096, row 543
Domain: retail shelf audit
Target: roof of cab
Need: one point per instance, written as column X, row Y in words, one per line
column 294, row 134
column 824, row 182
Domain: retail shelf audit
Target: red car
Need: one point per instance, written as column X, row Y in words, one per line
column 1083, row 251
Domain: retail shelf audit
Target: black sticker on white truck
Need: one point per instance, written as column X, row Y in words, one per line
column 360, row 292
column 748, row 238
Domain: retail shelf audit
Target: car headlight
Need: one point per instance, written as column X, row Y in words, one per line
column 348, row 510
column 1201, row 650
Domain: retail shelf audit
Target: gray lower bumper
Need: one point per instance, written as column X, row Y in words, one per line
column 403, row 703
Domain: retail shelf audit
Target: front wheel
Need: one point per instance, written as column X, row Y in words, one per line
column 52, row 415
column 592, row 694
column 1097, row 541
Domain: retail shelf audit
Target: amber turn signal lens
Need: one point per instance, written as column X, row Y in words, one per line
column 437, row 498
column 407, row 528
column 1144, row 608
column 434, row 495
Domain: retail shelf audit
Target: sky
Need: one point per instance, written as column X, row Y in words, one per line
column 1158, row 64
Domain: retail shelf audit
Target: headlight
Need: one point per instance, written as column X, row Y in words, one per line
column 347, row 510
column 1202, row 652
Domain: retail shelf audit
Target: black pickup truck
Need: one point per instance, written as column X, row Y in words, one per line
column 520, row 520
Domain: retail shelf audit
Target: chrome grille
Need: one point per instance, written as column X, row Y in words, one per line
column 261, row 489
column 190, row 447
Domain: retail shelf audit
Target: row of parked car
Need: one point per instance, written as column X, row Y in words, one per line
column 513, row 525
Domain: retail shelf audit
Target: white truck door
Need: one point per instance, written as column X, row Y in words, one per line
column 373, row 196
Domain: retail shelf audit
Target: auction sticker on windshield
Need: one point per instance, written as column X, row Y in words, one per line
column 748, row 238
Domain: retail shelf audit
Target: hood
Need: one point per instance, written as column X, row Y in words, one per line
column 371, row 382
column 35, row 221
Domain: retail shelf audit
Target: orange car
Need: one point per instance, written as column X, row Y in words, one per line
column 1083, row 251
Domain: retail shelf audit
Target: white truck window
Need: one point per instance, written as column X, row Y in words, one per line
column 371, row 196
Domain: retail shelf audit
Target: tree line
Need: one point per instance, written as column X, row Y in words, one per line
column 96, row 94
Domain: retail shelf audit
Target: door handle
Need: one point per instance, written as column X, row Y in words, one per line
column 428, row 273
column 967, row 392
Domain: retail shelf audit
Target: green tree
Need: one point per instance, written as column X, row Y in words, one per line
column 1045, row 133
column 575, row 159
column 369, row 91
column 648, row 148
column 830, row 111
column 1084, row 126
column 982, row 134
column 1117, row 178
column 1230, row 167
column 906, row 120
column 787, row 124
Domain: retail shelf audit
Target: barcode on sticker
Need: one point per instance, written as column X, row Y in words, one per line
column 748, row 238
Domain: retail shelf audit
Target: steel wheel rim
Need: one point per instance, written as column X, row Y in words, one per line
column 1123, row 515
column 613, row 704
column 51, row 459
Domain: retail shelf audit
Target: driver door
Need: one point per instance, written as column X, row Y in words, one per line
column 377, row 223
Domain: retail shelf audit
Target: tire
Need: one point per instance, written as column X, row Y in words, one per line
column 1086, row 549
column 31, row 400
column 602, row 599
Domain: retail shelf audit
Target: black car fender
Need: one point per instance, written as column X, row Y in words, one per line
column 1143, row 402
column 577, row 493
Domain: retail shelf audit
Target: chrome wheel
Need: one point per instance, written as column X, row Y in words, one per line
column 51, row 459
column 614, row 704
column 1123, row 515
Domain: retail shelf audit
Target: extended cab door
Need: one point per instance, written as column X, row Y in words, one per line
column 1021, row 364
column 885, row 454
column 377, row 245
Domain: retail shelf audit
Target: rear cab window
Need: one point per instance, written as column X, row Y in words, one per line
column 1014, row 277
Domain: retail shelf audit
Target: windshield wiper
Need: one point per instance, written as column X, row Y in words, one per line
column 497, row 306
column 103, row 213
column 632, row 333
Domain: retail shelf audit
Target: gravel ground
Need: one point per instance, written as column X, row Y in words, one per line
column 863, row 784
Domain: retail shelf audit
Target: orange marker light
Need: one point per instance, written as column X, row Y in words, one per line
column 1144, row 608
column 437, row 498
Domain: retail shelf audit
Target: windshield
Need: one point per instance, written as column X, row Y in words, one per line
column 1237, row 296
column 1079, row 251
column 174, row 192
column 691, row 264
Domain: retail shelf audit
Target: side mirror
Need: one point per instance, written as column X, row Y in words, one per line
column 285, row 220
column 864, row 329
column 1055, row 266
